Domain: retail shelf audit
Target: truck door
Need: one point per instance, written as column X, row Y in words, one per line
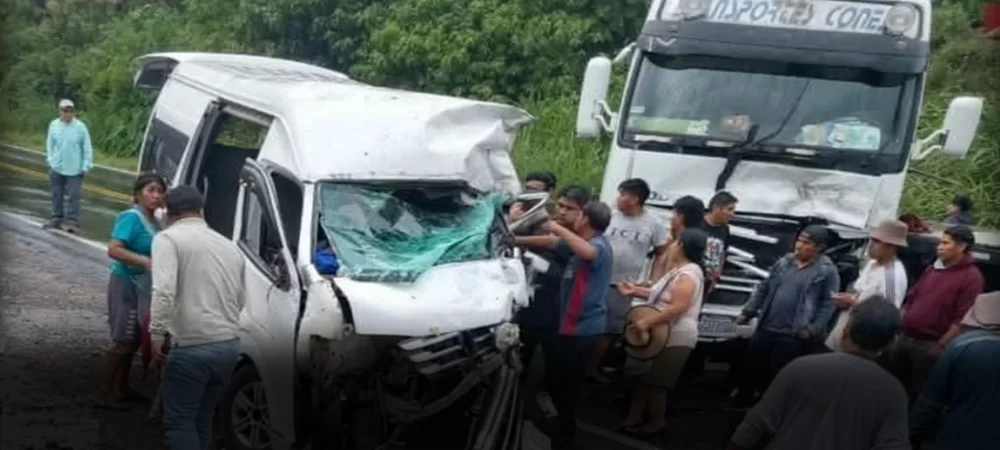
column 273, row 294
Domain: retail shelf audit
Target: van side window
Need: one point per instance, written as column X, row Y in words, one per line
column 163, row 149
column 260, row 240
column 290, row 198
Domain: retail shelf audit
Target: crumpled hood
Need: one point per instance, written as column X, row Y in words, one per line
column 446, row 298
column 849, row 199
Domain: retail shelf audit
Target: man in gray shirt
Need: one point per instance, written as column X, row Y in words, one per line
column 795, row 305
column 835, row 401
column 633, row 233
column 197, row 298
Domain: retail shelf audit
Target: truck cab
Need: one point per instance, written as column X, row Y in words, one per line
column 414, row 327
column 805, row 110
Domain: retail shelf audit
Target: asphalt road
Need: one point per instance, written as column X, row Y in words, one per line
column 53, row 330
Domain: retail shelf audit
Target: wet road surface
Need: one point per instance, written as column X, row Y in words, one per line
column 53, row 330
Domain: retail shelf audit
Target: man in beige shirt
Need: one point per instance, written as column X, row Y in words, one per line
column 197, row 299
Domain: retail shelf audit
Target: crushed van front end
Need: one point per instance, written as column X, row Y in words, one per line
column 454, row 390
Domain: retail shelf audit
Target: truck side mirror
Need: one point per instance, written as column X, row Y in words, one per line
column 593, row 92
column 954, row 138
column 961, row 122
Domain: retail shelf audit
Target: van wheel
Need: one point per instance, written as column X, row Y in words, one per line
column 244, row 418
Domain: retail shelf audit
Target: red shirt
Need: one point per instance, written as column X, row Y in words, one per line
column 941, row 298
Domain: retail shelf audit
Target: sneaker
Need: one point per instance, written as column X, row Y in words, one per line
column 69, row 228
column 546, row 404
column 52, row 225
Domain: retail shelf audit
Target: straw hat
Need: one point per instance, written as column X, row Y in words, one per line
column 891, row 232
column 985, row 312
column 644, row 345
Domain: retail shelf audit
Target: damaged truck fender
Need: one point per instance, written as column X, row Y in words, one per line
column 323, row 316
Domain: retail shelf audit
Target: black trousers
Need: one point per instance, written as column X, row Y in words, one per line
column 533, row 338
column 564, row 374
column 769, row 352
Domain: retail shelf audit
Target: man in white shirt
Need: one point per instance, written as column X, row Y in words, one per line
column 197, row 299
column 883, row 275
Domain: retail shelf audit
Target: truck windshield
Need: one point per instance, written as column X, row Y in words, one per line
column 793, row 105
column 395, row 233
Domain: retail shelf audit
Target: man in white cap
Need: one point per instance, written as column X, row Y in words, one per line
column 884, row 275
column 961, row 398
column 69, row 155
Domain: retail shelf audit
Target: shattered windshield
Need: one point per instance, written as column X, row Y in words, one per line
column 394, row 233
column 806, row 105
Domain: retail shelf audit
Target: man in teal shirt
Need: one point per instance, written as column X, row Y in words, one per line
column 69, row 155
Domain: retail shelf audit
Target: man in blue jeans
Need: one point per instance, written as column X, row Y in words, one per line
column 69, row 155
column 197, row 298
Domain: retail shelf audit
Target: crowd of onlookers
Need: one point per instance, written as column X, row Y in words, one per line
column 875, row 365
column 879, row 365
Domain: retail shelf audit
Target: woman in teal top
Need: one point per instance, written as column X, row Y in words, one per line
column 129, row 285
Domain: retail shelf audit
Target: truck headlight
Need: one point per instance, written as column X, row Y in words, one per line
column 693, row 9
column 506, row 335
column 900, row 19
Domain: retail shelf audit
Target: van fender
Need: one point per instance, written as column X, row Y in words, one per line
column 323, row 316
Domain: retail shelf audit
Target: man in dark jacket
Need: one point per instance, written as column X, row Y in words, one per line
column 959, row 403
column 934, row 308
column 795, row 306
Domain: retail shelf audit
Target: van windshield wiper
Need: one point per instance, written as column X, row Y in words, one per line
column 739, row 150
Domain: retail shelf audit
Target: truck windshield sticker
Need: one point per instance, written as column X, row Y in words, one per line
column 850, row 134
column 820, row 15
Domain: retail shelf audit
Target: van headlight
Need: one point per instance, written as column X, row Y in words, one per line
column 506, row 336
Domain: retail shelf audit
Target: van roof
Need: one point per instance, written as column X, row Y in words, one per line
column 333, row 127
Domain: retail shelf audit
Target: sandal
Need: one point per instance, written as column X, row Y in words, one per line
column 136, row 397
column 597, row 378
column 114, row 405
column 646, row 433
column 626, row 425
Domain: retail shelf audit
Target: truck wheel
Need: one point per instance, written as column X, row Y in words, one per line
column 244, row 419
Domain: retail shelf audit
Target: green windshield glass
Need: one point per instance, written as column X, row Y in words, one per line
column 394, row 234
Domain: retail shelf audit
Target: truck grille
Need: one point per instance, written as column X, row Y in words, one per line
column 439, row 355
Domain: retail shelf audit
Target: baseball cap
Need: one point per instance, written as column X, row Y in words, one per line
column 818, row 234
column 66, row 103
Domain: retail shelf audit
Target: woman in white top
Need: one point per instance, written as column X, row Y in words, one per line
column 678, row 297
column 883, row 275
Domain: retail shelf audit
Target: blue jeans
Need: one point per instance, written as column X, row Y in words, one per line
column 193, row 378
column 64, row 208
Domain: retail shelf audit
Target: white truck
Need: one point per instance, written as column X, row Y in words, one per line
column 411, row 340
column 806, row 110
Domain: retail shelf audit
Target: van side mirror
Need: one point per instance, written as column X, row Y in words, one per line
column 590, row 120
column 959, row 129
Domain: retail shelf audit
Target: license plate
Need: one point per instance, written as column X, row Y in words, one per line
column 716, row 325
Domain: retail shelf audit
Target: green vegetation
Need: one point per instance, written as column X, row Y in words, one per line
column 527, row 52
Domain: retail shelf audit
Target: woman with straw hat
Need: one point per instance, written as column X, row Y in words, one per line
column 664, row 329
